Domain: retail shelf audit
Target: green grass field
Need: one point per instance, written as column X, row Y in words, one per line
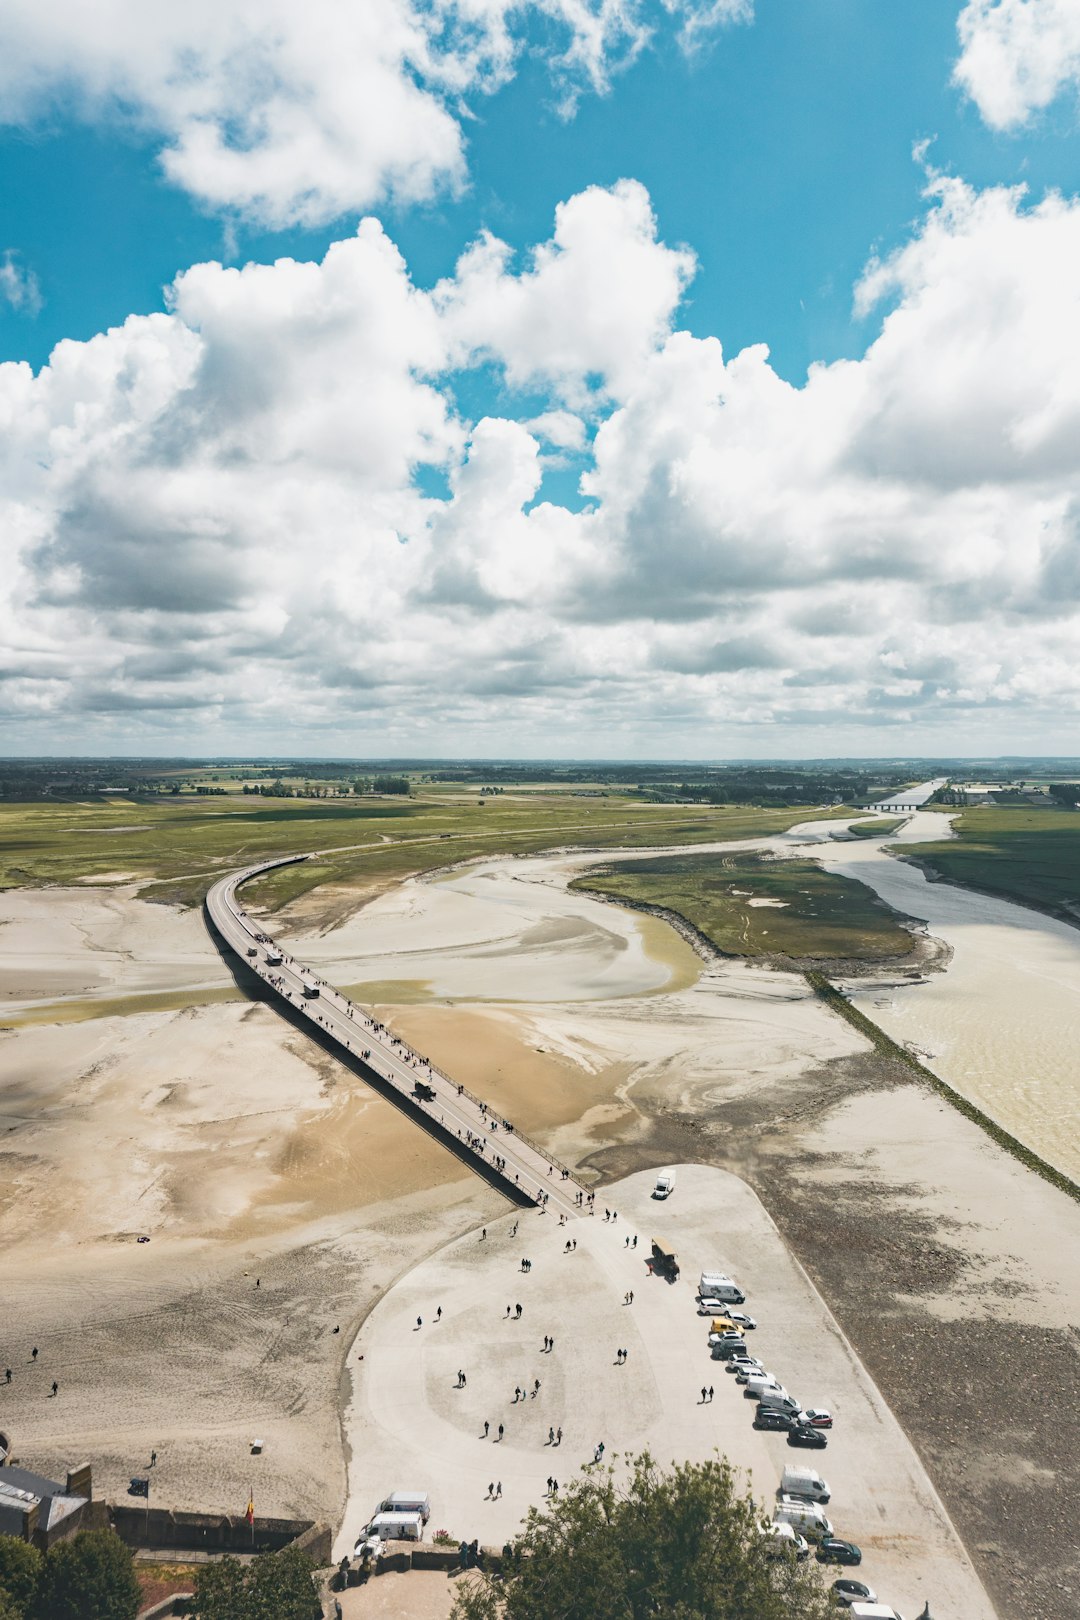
column 1030, row 855
column 176, row 849
column 874, row 829
column 818, row 916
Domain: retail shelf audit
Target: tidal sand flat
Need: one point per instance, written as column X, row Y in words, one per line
column 1002, row 1022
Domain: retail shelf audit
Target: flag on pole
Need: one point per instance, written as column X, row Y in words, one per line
column 250, row 1514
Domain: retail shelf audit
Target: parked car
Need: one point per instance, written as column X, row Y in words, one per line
column 818, row 1417
column 769, row 1417
column 742, row 1319
column 743, row 1363
column 710, row 1307
column 832, row 1550
column 850, row 1591
column 802, row 1435
column 744, row 1372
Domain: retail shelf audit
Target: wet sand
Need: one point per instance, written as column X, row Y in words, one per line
column 1002, row 1023
column 244, row 1151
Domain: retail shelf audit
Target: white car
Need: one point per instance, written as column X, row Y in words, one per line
column 711, row 1307
column 744, row 1364
column 742, row 1374
column 741, row 1319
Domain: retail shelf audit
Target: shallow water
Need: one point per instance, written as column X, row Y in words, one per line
column 1002, row 1022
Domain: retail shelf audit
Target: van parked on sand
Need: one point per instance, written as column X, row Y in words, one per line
column 806, row 1517
column 804, row 1482
column 408, row 1502
column 397, row 1527
column 725, row 1289
column 755, row 1386
column 665, row 1184
column 778, row 1400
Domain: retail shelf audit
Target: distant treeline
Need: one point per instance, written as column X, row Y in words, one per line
column 278, row 789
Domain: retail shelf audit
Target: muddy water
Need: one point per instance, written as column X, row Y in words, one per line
column 1002, row 1022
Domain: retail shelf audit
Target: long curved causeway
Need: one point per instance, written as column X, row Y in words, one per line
column 491, row 1144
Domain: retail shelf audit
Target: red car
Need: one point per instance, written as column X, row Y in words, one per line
column 817, row 1417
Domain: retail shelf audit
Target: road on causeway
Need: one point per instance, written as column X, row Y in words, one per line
column 480, row 1137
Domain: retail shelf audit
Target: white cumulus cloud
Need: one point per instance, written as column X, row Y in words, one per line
column 289, row 113
column 1017, row 56
column 263, row 510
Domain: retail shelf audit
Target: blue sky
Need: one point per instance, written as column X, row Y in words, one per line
column 781, row 151
column 779, row 154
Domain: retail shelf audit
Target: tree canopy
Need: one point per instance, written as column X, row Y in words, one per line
column 682, row 1544
column 20, row 1572
column 274, row 1586
column 90, row 1577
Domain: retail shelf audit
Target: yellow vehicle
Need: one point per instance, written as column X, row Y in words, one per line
column 724, row 1324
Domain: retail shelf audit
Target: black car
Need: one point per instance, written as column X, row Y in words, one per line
column 849, row 1591
column 834, row 1551
column 803, row 1435
column 768, row 1417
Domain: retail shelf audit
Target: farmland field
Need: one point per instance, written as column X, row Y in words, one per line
column 1030, row 855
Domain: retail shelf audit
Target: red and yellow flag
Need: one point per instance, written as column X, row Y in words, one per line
column 250, row 1514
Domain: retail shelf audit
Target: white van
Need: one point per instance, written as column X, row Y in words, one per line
column 665, row 1184
column 805, row 1517
column 780, row 1401
column 714, row 1285
column 408, row 1502
column 397, row 1527
column 757, row 1383
column 873, row 1611
column 785, row 1535
column 805, row 1482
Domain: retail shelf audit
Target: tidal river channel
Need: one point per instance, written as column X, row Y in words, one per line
column 1002, row 1022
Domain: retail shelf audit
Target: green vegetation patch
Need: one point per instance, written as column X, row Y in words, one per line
column 1029, row 855
column 803, row 911
column 875, row 829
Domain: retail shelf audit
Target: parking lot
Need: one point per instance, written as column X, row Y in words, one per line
column 410, row 1424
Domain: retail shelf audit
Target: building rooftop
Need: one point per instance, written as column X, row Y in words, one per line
column 20, row 1490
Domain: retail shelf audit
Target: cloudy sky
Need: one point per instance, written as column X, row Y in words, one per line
column 631, row 378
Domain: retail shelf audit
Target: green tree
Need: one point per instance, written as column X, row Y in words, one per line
column 275, row 1586
column 20, row 1572
column 683, row 1545
column 90, row 1577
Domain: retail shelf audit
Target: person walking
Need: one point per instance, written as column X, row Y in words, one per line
column 55, row 1387
column 710, row 1392
column 7, row 1375
column 551, row 1437
column 487, row 1426
column 634, row 1244
column 438, row 1314
column 498, row 1487
column 491, row 1488
column 704, row 1392
column 630, row 1300
column 508, row 1310
column 33, row 1353
column 419, row 1323
column 500, row 1431
column 558, row 1437
column 153, row 1459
